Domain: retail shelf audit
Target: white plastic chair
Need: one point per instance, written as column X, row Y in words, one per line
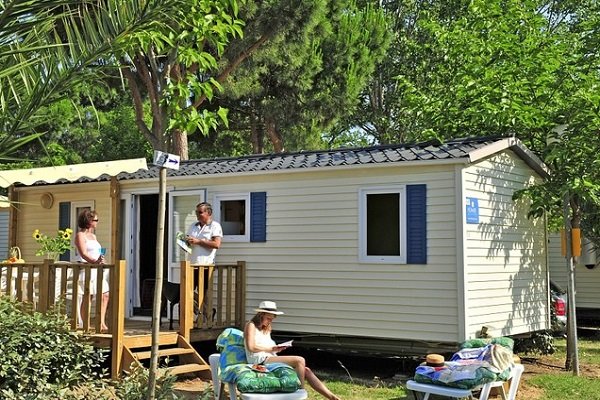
column 428, row 389
column 219, row 387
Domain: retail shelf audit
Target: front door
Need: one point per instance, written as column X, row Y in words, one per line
column 141, row 253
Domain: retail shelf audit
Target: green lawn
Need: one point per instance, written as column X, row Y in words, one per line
column 362, row 391
column 563, row 385
column 554, row 386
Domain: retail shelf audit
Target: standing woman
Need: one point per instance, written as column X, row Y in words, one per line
column 89, row 251
column 261, row 349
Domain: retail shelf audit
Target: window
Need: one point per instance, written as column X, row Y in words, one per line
column 393, row 225
column 383, row 225
column 232, row 211
column 67, row 217
column 243, row 216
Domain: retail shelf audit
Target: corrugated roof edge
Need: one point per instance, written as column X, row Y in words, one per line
column 459, row 148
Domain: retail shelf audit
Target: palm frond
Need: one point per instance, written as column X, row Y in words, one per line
column 50, row 46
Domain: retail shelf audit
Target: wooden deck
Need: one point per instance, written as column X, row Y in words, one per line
column 57, row 286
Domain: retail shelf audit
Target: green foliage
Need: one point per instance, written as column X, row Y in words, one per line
column 307, row 76
column 498, row 68
column 39, row 355
column 40, row 66
column 97, row 124
column 173, row 63
column 134, row 386
column 54, row 246
column 536, row 343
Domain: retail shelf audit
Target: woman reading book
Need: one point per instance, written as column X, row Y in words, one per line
column 261, row 349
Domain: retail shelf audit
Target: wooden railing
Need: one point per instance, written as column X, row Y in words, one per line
column 57, row 286
column 212, row 296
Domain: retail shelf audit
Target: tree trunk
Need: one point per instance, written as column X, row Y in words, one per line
column 180, row 143
column 274, row 135
column 256, row 135
column 160, row 236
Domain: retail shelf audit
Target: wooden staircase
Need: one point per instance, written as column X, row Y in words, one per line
column 137, row 349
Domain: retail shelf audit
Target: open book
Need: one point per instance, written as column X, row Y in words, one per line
column 180, row 239
column 286, row 344
column 184, row 246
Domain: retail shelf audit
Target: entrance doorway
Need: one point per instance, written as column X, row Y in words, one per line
column 145, row 253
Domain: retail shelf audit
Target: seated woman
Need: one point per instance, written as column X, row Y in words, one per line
column 261, row 349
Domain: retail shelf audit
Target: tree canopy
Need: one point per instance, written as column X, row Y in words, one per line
column 49, row 47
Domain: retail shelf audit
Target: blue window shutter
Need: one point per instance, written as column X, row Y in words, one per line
column 258, row 216
column 416, row 224
column 64, row 222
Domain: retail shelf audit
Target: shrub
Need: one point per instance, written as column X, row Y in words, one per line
column 134, row 386
column 39, row 356
column 537, row 343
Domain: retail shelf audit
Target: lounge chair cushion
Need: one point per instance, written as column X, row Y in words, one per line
column 230, row 344
column 233, row 367
column 279, row 378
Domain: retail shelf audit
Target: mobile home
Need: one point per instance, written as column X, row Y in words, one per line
column 387, row 247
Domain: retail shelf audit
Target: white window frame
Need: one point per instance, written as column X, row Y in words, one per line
column 362, row 225
column 175, row 255
column 217, row 199
column 74, row 217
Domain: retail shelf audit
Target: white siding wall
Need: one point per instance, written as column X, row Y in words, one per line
column 505, row 254
column 587, row 281
column 309, row 263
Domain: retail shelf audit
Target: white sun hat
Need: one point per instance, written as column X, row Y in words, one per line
column 268, row 307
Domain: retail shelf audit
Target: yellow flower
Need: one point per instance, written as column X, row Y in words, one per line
column 53, row 246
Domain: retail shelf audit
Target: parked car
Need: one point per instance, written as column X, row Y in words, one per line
column 558, row 297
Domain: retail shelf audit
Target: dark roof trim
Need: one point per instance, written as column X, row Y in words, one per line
column 466, row 150
column 451, row 151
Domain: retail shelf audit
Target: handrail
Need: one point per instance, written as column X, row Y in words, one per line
column 216, row 294
column 57, row 286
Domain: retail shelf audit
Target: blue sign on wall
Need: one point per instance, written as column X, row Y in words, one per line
column 472, row 210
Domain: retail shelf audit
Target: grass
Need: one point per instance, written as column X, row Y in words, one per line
column 361, row 391
column 554, row 386
column 589, row 350
column 563, row 385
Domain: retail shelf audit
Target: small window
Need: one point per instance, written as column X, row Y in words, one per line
column 76, row 208
column 233, row 213
column 382, row 225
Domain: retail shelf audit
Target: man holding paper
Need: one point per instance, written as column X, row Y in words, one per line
column 204, row 236
column 261, row 349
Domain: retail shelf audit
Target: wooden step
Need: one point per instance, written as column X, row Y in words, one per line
column 137, row 341
column 187, row 369
column 191, row 361
column 175, row 351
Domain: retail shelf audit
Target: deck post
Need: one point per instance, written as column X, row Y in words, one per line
column 115, row 217
column 43, row 281
column 240, row 299
column 117, row 308
column 186, row 299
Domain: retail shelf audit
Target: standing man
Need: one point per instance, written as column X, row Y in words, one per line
column 204, row 236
